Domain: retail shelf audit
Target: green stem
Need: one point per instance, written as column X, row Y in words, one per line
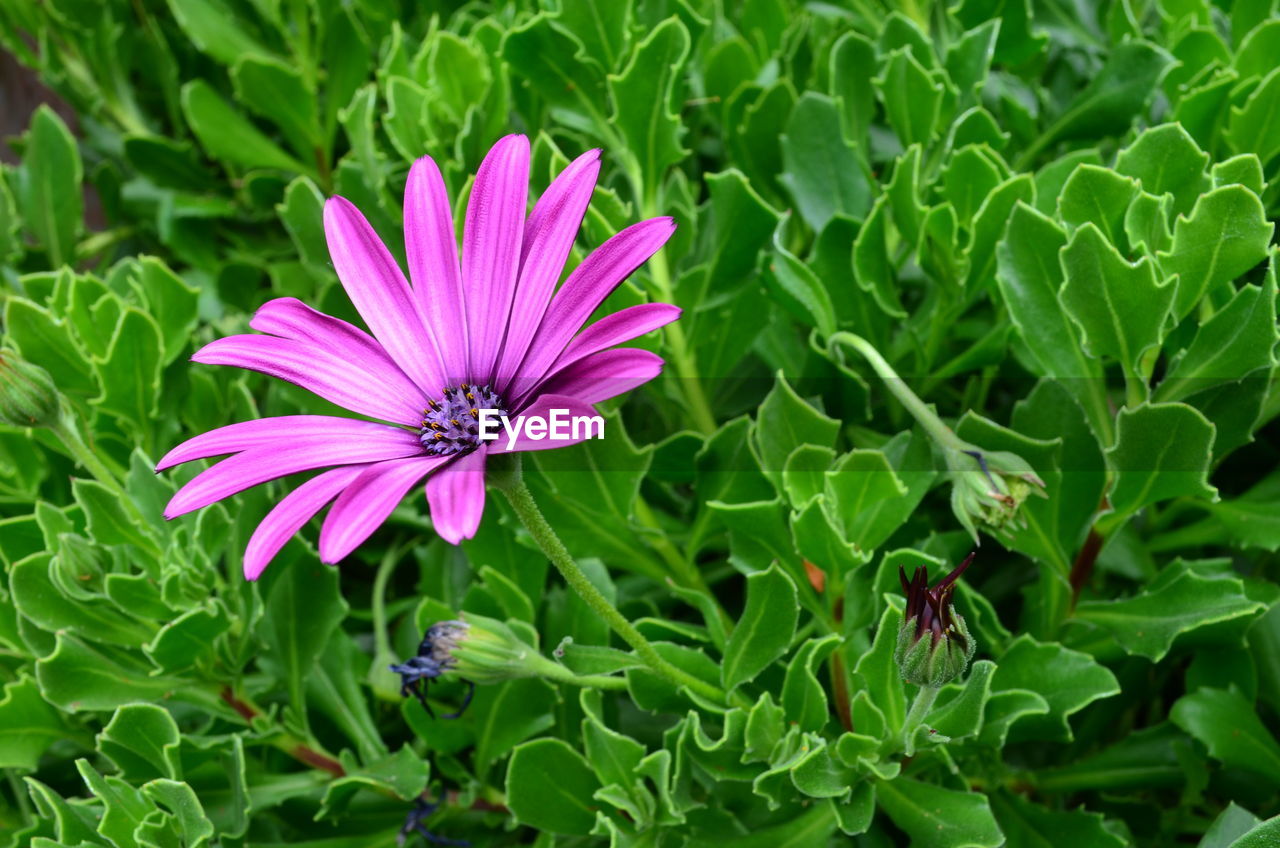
column 925, row 416
column 67, row 432
column 521, row 500
column 919, row 709
column 558, row 673
column 381, row 679
column 660, row 271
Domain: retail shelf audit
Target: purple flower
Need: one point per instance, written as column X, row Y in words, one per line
column 489, row 330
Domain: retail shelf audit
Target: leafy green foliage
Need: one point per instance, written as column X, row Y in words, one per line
column 1054, row 221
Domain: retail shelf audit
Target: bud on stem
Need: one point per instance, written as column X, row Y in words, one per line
column 28, row 397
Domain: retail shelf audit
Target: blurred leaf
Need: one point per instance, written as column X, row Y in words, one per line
column 227, row 135
column 549, row 786
column 1230, row 728
column 48, row 186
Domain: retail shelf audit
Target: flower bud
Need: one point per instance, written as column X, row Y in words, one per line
column 482, row 650
column 934, row 645
column 28, row 397
column 988, row 487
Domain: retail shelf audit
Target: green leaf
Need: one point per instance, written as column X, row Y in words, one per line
column 129, row 373
column 785, row 421
column 803, row 697
column 853, row 62
column 1239, row 339
column 872, row 266
column 28, row 724
column 1234, row 822
column 961, row 715
column 1099, row 196
column 10, row 245
column 877, row 671
column 1068, row 681
column 1146, row 223
column 37, row 597
column 970, row 175
column 912, row 98
column 1226, row 235
column 1029, row 825
column 1149, row 623
column 1264, row 835
column 1162, row 451
column 226, row 134
column 936, row 817
column 763, row 632
column 601, row 27
column 77, row 677
column 1116, row 94
column 303, row 607
column 507, row 715
column 277, row 92
column 644, row 100
column 1245, row 170
column 799, row 288
column 48, row 186
column 189, row 638
column 1255, row 126
column 142, row 740
column 1119, row 306
column 216, row 30
column 1230, row 728
column 172, row 302
column 545, row 57
column 550, row 787
column 823, row 172
column 990, row 223
column 403, row 775
column 1166, row 159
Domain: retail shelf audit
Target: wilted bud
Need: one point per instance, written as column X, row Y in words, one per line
column 934, row 645
column 28, row 397
column 988, row 487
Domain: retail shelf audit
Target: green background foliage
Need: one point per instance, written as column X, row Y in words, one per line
column 1054, row 219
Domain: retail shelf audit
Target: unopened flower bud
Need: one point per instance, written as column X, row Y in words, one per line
column 28, row 397
column 485, row 650
column 934, row 645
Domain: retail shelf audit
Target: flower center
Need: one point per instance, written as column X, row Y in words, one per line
column 452, row 424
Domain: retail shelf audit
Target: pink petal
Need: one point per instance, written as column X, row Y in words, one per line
column 280, row 431
column 542, row 407
column 380, row 293
column 456, row 498
column 616, row 328
column 587, row 287
column 290, row 318
column 603, row 375
column 491, row 245
column 258, row 465
column 357, row 382
column 293, row 511
column 548, row 238
column 432, row 247
column 368, row 500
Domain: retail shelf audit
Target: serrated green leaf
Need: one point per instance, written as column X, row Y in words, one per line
column 1226, row 235
column 1099, row 196
column 912, row 98
column 644, row 96
column 1068, row 681
column 1166, row 159
column 1254, row 127
column 763, row 632
column 1149, row 623
column 1162, row 451
column 142, row 740
column 1119, row 306
column 28, row 725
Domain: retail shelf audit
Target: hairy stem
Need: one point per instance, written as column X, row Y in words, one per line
column 915, row 717
column 531, row 516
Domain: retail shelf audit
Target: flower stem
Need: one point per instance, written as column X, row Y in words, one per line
column 927, row 418
column 68, row 432
column 384, row 682
column 521, row 499
column 915, row 717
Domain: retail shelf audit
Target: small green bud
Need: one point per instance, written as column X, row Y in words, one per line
column 28, row 397
column 485, row 650
column 934, row 644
